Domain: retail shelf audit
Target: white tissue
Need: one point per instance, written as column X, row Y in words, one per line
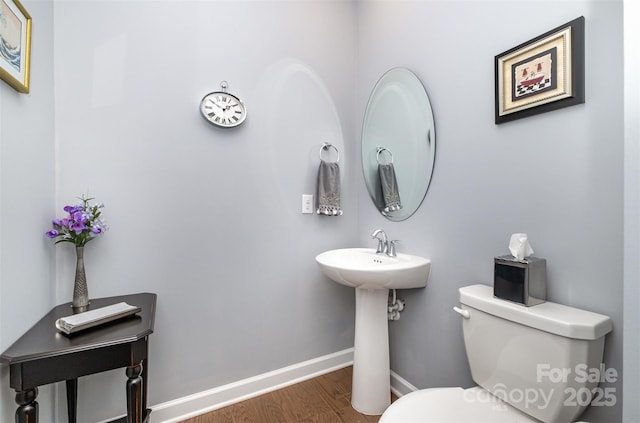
column 519, row 246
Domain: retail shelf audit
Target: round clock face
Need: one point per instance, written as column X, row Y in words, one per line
column 223, row 109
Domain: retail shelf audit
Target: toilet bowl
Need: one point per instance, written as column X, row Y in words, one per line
column 455, row 405
column 512, row 351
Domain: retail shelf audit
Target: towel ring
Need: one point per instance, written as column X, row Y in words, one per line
column 381, row 150
column 327, row 146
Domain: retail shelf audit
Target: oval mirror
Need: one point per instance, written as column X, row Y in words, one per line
column 398, row 144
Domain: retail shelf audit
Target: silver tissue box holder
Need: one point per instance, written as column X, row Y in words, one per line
column 521, row 281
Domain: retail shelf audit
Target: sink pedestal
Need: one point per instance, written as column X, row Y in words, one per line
column 372, row 275
column 371, row 388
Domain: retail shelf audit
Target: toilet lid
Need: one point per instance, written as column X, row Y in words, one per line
column 473, row 405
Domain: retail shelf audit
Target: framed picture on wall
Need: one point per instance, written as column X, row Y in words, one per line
column 542, row 74
column 15, row 44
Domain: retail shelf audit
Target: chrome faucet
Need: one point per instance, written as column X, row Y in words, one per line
column 392, row 248
column 383, row 243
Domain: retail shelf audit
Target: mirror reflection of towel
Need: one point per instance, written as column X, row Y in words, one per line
column 328, row 189
column 389, row 185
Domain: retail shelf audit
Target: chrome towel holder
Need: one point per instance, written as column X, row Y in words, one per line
column 381, row 150
column 325, row 147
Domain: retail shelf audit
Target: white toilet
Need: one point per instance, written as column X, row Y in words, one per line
column 531, row 364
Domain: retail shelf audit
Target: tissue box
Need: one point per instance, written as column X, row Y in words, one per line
column 522, row 281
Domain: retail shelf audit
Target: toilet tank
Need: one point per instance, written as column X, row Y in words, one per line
column 539, row 359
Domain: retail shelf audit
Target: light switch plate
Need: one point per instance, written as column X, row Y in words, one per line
column 307, row 203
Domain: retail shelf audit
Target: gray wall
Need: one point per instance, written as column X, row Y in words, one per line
column 631, row 351
column 27, row 197
column 556, row 176
column 209, row 219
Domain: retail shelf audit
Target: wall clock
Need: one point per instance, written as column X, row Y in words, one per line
column 222, row 108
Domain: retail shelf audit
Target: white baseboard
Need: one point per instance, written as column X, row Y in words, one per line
column 202, row 402
column 400, row 386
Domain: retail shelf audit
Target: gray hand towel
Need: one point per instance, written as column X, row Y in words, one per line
column 389, row 185
column 328, row 189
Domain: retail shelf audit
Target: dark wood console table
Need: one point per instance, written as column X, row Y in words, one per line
column 43, row 355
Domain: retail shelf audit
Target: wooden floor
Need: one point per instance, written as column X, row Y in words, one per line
column 325, row 399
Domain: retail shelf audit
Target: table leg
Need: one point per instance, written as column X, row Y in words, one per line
column 145, row 386
column 134, row 394
column 72, row 400
column 27, row 411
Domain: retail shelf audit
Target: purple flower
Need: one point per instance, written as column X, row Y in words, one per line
column 72, row 209
column 78, row 227
column 82, row 224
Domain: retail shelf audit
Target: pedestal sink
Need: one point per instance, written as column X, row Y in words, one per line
column 372, row 275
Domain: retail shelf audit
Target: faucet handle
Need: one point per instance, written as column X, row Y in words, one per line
column 392, row 248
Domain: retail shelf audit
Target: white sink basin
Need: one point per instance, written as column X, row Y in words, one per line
column 363, row 268
column 373, row 275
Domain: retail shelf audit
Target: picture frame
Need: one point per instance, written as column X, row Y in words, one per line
column 15, row 45
column 543, row 74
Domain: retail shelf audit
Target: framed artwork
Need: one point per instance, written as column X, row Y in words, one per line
column 542, row 74
column 15, row 44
